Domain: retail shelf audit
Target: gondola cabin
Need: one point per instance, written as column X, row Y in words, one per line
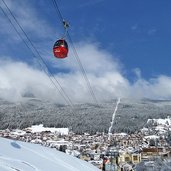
column 60, row 49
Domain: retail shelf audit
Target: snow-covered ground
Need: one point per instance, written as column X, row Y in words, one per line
column 21, row 156
column 166, row 121
column 41, row 128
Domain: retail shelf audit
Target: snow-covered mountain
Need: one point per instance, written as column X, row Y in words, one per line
column 132, row 114
column 21, row 156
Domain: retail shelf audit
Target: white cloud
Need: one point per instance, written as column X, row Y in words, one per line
column 137, row 72
column 28, row 17
column 155, row 88
column 103, row 70
column 17, row 78
column 104, row 74
column 93, row 58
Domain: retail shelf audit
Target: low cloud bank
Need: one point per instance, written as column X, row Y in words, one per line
column 18, row 79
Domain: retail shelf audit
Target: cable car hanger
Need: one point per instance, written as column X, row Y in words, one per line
column 66, row 26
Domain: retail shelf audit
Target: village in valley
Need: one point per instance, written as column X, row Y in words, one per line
column 107, row 151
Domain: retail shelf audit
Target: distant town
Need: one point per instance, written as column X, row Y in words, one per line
column 149, row 147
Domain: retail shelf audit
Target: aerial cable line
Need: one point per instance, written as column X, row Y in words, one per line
column 48, row 73
column 17, row 32
column 57, row 10
column 64, row 22
column 83, row 70
column 75, row 53
column 26, row 46
column 61, row 90
column 36, row 57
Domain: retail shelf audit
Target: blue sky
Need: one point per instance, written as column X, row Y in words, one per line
column 137, row 31
column 125, row 45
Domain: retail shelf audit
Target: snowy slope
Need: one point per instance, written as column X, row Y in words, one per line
column 21, row 156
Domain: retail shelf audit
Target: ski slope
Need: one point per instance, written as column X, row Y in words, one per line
column 21, row 156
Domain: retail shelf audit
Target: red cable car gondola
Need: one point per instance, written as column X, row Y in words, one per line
column 60, row 49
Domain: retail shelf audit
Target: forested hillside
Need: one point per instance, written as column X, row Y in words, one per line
column 130, row 116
